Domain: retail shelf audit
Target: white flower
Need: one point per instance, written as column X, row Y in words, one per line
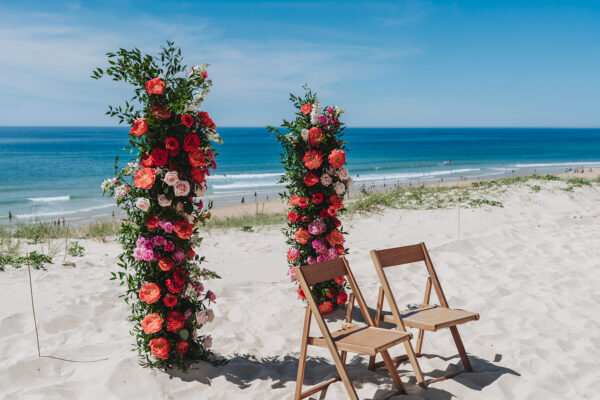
column 108, row 183
column 304, row 134
column 339, row 188
column 315, row 113
column 143, row 204
column 290, row 137
column 182, row 188
column 343, row 174
column 214, row 137
column 326, row 180
column 122, row 191
column 163, row 201
column 339, row 110
column 200, row 189
column 171, row 178
column 207, row 342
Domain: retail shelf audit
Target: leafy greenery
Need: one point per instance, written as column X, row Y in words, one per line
column 76, row 250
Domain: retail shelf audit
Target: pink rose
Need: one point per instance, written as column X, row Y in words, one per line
column 349, row 182
column 343, row 174
column 179, row 206
column 182, row 188
column 200, row 190
column 143, row 204
column 168, row 227
column 211, row 315
column 208, row 341
column 202, row 317
column 325, row 180
column 339, row 188
column 163, row 201
column 171, row 178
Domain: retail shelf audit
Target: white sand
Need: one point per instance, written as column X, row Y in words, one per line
column 530, row 269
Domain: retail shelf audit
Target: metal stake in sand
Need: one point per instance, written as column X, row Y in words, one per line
column 37, row 338
column 458, row 208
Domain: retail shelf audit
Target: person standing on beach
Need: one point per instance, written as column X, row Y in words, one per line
column 243, row 200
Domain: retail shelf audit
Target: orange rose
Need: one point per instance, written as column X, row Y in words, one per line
column 325, row 307
column 335, row 237
column 147, row 161
column 301, row 294
column 160, row 112
column 144, row 178
column 150, row 293
column 197, row 158
column 337, row 158
column 140, row 126
column 183, row 229
column 166, row 264
column 302, row 236
column 306, row 109
column 160, row 348
column 294, row 200
column 152, row 323
column 313, row 159
column 314, row 136
column 155, row 86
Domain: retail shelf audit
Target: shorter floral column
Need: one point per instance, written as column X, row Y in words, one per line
column 160, row 192
column 316, row 183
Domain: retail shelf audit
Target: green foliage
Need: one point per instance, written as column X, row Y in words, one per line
column 76, row 250
column 34, row 259
column 579, row 182
column 247, row 228
column 536, row 188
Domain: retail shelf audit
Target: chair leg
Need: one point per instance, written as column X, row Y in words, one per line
column 393, row 372
column 420, row 341
column 377, row 322
column 302, row 357
column 415, row 364
column 461, row 348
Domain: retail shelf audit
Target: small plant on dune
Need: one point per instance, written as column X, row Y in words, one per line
column 316, row 182
column 76, row 250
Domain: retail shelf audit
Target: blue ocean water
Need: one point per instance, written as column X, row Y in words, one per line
column 56, row 172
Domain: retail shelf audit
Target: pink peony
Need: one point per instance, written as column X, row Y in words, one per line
column 168, row 227
column 169, row 246
column 171, row 178
column 147, row 255
column 292, row 274
column 316, row 227
column 179, row 256
column 182, row 188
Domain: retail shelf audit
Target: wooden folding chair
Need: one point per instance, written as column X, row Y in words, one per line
column 425, row 317
column 353, row 338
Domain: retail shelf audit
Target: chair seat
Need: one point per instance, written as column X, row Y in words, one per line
column 363, row 339
column 433, row 318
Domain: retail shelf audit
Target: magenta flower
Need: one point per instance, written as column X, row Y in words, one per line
column 169, row 246
column 147, row 255
column 211, row 296
column 158, row 240
column 168, row 227
column 316, row 228
column 311, row 260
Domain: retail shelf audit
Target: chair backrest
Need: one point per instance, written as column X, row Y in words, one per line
column 312, row 274
column 406, row 255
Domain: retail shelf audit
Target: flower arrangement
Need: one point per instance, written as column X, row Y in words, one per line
column 316, row 182
column 160, row 191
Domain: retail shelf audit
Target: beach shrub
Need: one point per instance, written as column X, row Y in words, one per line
column 160, row 191
column 315, row 185
column 76, row 250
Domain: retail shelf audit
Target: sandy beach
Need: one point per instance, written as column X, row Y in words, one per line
column 528, row 268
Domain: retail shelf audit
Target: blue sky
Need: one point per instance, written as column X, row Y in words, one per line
column 405, row 63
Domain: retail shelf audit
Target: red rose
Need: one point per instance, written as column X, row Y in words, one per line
column 342, row 298
column 160, row 348
column 335, row 237
column 198, row 175
column 326, row 307
column 160, row 112
column 180, row 276
column 317, row 198
column 292, row 216
column 144, row 178
column 155, row 86
column 175, row 321
column 337, row 158
column 311, row 179
column 330, row 293
column 170, row 300
column 337, row 223
column 150, row 293
column 324, row 214
column 294, row 200
column 306, row 109
column 166, row 264
column 339, row 248
column 314, row 136
column 206, row 120
column 312, row 159
column 197, row 158
column 302, row 236
column 152, row 222
column 160, row 157
column 183, row 229
column 339, row 280
column 140, row 126
column 336, row 200
column 147, row 161
column 332, row 211
column 187, row 120
column 191, row 142
column 301, row 294
column 173, row 286
column 303, row 202
column 171, row 143
column 152, row 323
column 182, row 348
column 191, row 253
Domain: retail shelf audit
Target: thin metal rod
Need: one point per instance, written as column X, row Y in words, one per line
column 37, row 337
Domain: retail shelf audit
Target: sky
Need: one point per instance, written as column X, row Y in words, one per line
column 389, row 64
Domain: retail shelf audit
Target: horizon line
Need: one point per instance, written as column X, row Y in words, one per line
column 347, row 126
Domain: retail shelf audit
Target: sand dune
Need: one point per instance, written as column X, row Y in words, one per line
column 530, row 269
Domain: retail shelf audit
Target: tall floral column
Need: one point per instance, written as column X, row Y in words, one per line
column 316, row 183
column 160, row 191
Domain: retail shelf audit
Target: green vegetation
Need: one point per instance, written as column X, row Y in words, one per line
column 76, row 250
column 35, row 259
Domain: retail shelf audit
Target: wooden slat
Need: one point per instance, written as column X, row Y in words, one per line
column 363, row 339
column 319, row 387
column 400, row 255
column 433, row 318
column 323, row 271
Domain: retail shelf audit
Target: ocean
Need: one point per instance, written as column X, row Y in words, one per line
column 54, row 172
